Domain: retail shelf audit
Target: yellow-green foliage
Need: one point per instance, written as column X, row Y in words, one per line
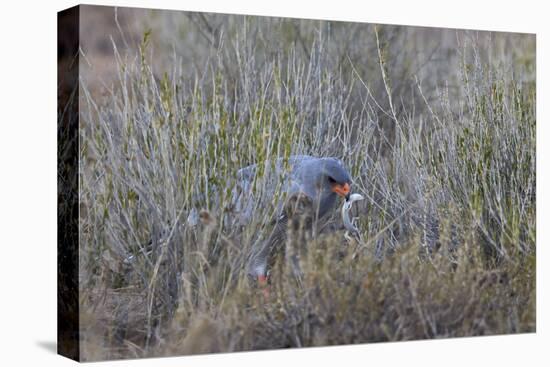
column 444, row 154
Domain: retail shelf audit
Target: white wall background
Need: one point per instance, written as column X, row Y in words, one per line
column 28, row 181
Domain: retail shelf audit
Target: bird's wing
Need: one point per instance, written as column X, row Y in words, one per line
column 288, row 180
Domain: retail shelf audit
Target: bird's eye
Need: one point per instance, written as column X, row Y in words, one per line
column 331, row 180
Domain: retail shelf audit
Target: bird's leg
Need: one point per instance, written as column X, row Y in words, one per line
column 262, row 280
column 264, row 285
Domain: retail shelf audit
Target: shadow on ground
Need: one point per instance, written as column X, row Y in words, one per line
column 48, row 345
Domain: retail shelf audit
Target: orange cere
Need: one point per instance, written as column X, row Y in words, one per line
column 341, row 190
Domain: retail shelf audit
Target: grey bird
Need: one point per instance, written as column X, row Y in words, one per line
column 308, row 182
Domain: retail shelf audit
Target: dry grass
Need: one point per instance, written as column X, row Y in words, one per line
column 437, row 128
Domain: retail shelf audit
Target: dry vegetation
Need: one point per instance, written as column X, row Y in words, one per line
column 437, row 128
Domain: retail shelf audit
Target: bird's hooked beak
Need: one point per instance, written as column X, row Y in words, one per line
column 342, row 190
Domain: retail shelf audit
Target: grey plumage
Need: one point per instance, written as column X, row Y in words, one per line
column 313, row 183
column 309, row 175
column 297, row 216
